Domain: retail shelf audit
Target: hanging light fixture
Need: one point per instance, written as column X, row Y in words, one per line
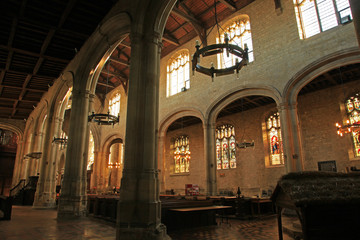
column 244, row 143
column 102, row 118
column 62, row 141
column 353, row 110
column 219, row 48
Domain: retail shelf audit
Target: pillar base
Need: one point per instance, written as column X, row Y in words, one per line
column 142, row 233
column 72, row 207
column 44, row 200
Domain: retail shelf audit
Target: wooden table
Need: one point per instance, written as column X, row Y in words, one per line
column 258, row 202
column 196, row 216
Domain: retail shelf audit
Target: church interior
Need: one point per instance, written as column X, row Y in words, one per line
column 162, row 116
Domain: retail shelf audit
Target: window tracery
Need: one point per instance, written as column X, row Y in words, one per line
column 182, row 154
column 239, row 33
column 225, row 147
column 315, row 16
column 178, row 73
column 114, row 104
column 91, row 156
column 353, row 112
column 275, row 140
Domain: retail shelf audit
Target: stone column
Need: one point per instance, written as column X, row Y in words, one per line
column 72, row 201
column 45, row 196
column 210, row 158
column 36, row 148
column 18, row 161
column 139, row 208
column 161, row 161
column 355, row 10
column 27, row 165
column 290, row 131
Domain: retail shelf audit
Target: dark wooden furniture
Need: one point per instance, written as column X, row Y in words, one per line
column 5, row 207
column 261, row 203
column 327, row 203
column 195, row 216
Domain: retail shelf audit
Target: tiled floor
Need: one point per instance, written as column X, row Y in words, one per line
column 29, row 224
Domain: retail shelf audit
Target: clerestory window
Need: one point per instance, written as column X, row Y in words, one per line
column 239, row 33
column 178, row 73
column 315, row 16
column 114, row 105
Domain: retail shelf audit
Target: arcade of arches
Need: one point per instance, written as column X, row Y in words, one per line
column 181, row 128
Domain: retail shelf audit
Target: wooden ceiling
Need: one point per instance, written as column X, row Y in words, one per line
column 39, row 38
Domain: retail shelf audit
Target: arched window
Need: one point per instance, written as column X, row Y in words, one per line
column 178, row 73
column 274, row 135
column 353, row 112
column 225, row 147
column 315, row 16
column 91, row 152
column 182, row 154
column 114, row 105
column 239, row 33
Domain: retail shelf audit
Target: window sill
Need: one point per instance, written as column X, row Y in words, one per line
column 179, row 174
column 354, row 158
column 275, row 166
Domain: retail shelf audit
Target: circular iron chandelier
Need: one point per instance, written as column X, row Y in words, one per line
column 219, row 48
column 103, row 118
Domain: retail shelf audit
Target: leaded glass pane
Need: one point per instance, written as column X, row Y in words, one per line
column 114, row 105
column 275, row 141
column 239, row 33
column 91, row 157
column 182, row 154
column 225, row 147
column 179, row 72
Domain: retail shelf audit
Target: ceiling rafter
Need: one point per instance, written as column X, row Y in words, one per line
column 229, row 4
column 168, row 37
column 189, row 17
column 121, row 51
column 28, row 89
column 120, row 61
column 23, row 100
column 23, row 91
column 17, row 50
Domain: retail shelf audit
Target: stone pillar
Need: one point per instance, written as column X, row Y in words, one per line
column 139, row 208
column 161, row 161
column 36, row 148
column 210, row 158
column 290, row 131
column 72, row 201
column 29, row 147
column 18, row 161
column 355, row 10
column 45, row 196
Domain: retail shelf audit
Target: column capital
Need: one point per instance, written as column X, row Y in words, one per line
column 81, row 93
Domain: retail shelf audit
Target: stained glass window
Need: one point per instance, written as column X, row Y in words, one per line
column 114, row 105
column 91, row 152
column 225, row 147
column 274, row 134
column 239, row 33
column 315, row 16
column 182, row 154
column 353, row 112
column 178, row 73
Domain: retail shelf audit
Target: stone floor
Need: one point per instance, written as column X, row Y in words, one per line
column 29, row 224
